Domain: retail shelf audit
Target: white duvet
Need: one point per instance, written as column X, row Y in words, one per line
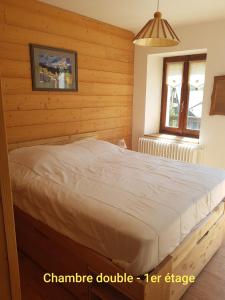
column 132, row 208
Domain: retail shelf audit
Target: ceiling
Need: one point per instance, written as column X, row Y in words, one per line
column 133, row 14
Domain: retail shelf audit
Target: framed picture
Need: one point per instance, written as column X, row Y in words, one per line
column 218, row 96
column 53, row 69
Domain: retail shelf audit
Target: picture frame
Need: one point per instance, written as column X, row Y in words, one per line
column 218, row 96
column 53, row 69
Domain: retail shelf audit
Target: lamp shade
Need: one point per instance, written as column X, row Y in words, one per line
column 157, row 33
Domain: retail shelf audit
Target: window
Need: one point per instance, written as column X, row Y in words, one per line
column 182, row 94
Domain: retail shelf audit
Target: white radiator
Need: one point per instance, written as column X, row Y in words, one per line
column 187, row 152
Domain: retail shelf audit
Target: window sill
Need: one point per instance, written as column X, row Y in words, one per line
column 174, row 138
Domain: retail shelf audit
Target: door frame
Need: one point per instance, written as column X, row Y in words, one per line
column 9, row 272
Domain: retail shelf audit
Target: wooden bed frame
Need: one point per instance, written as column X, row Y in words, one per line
column 58, row 254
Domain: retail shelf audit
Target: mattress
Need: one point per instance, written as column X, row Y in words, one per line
column 130, row 207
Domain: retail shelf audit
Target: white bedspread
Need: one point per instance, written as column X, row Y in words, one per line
column 131, row 207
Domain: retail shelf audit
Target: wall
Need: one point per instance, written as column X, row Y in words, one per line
column 147, row 87
column 201, row 36
column 153, row 93
column 105, row 59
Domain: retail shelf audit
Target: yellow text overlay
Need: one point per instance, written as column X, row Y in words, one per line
column 118, row 278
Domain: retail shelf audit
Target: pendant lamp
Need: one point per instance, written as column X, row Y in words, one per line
column 157, row 33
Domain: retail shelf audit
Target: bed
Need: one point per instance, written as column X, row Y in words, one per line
column 113, row 210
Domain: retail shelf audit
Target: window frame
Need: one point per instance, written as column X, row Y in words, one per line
column 181, row 130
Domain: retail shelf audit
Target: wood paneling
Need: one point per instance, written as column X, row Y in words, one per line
column 19, row 69
column 22, row 118
column 42, row 8
column 43, row 23
column 1, row 13
column 103, row 102
column 34, row 101
column 19, row 54
column 19, row 35
column 14, row 51
column 28, row 133
column 15, row 86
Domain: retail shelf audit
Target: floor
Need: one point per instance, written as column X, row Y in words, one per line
column 210, row 284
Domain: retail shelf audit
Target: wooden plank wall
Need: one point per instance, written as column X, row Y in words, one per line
column 105, row 59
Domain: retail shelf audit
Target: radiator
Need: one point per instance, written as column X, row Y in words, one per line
column 187, row 152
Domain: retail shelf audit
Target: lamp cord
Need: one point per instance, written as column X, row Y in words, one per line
column 158, row 5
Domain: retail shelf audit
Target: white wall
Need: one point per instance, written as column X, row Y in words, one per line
column 153, row 93
column 210, row 36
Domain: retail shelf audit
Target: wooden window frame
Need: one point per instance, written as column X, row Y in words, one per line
column 181, row 130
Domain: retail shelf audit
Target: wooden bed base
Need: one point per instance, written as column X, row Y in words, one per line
column 58, row 254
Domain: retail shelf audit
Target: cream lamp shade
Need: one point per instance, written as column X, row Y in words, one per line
column 157, row 33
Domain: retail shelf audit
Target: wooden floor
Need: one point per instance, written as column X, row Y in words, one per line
column 210, row 284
